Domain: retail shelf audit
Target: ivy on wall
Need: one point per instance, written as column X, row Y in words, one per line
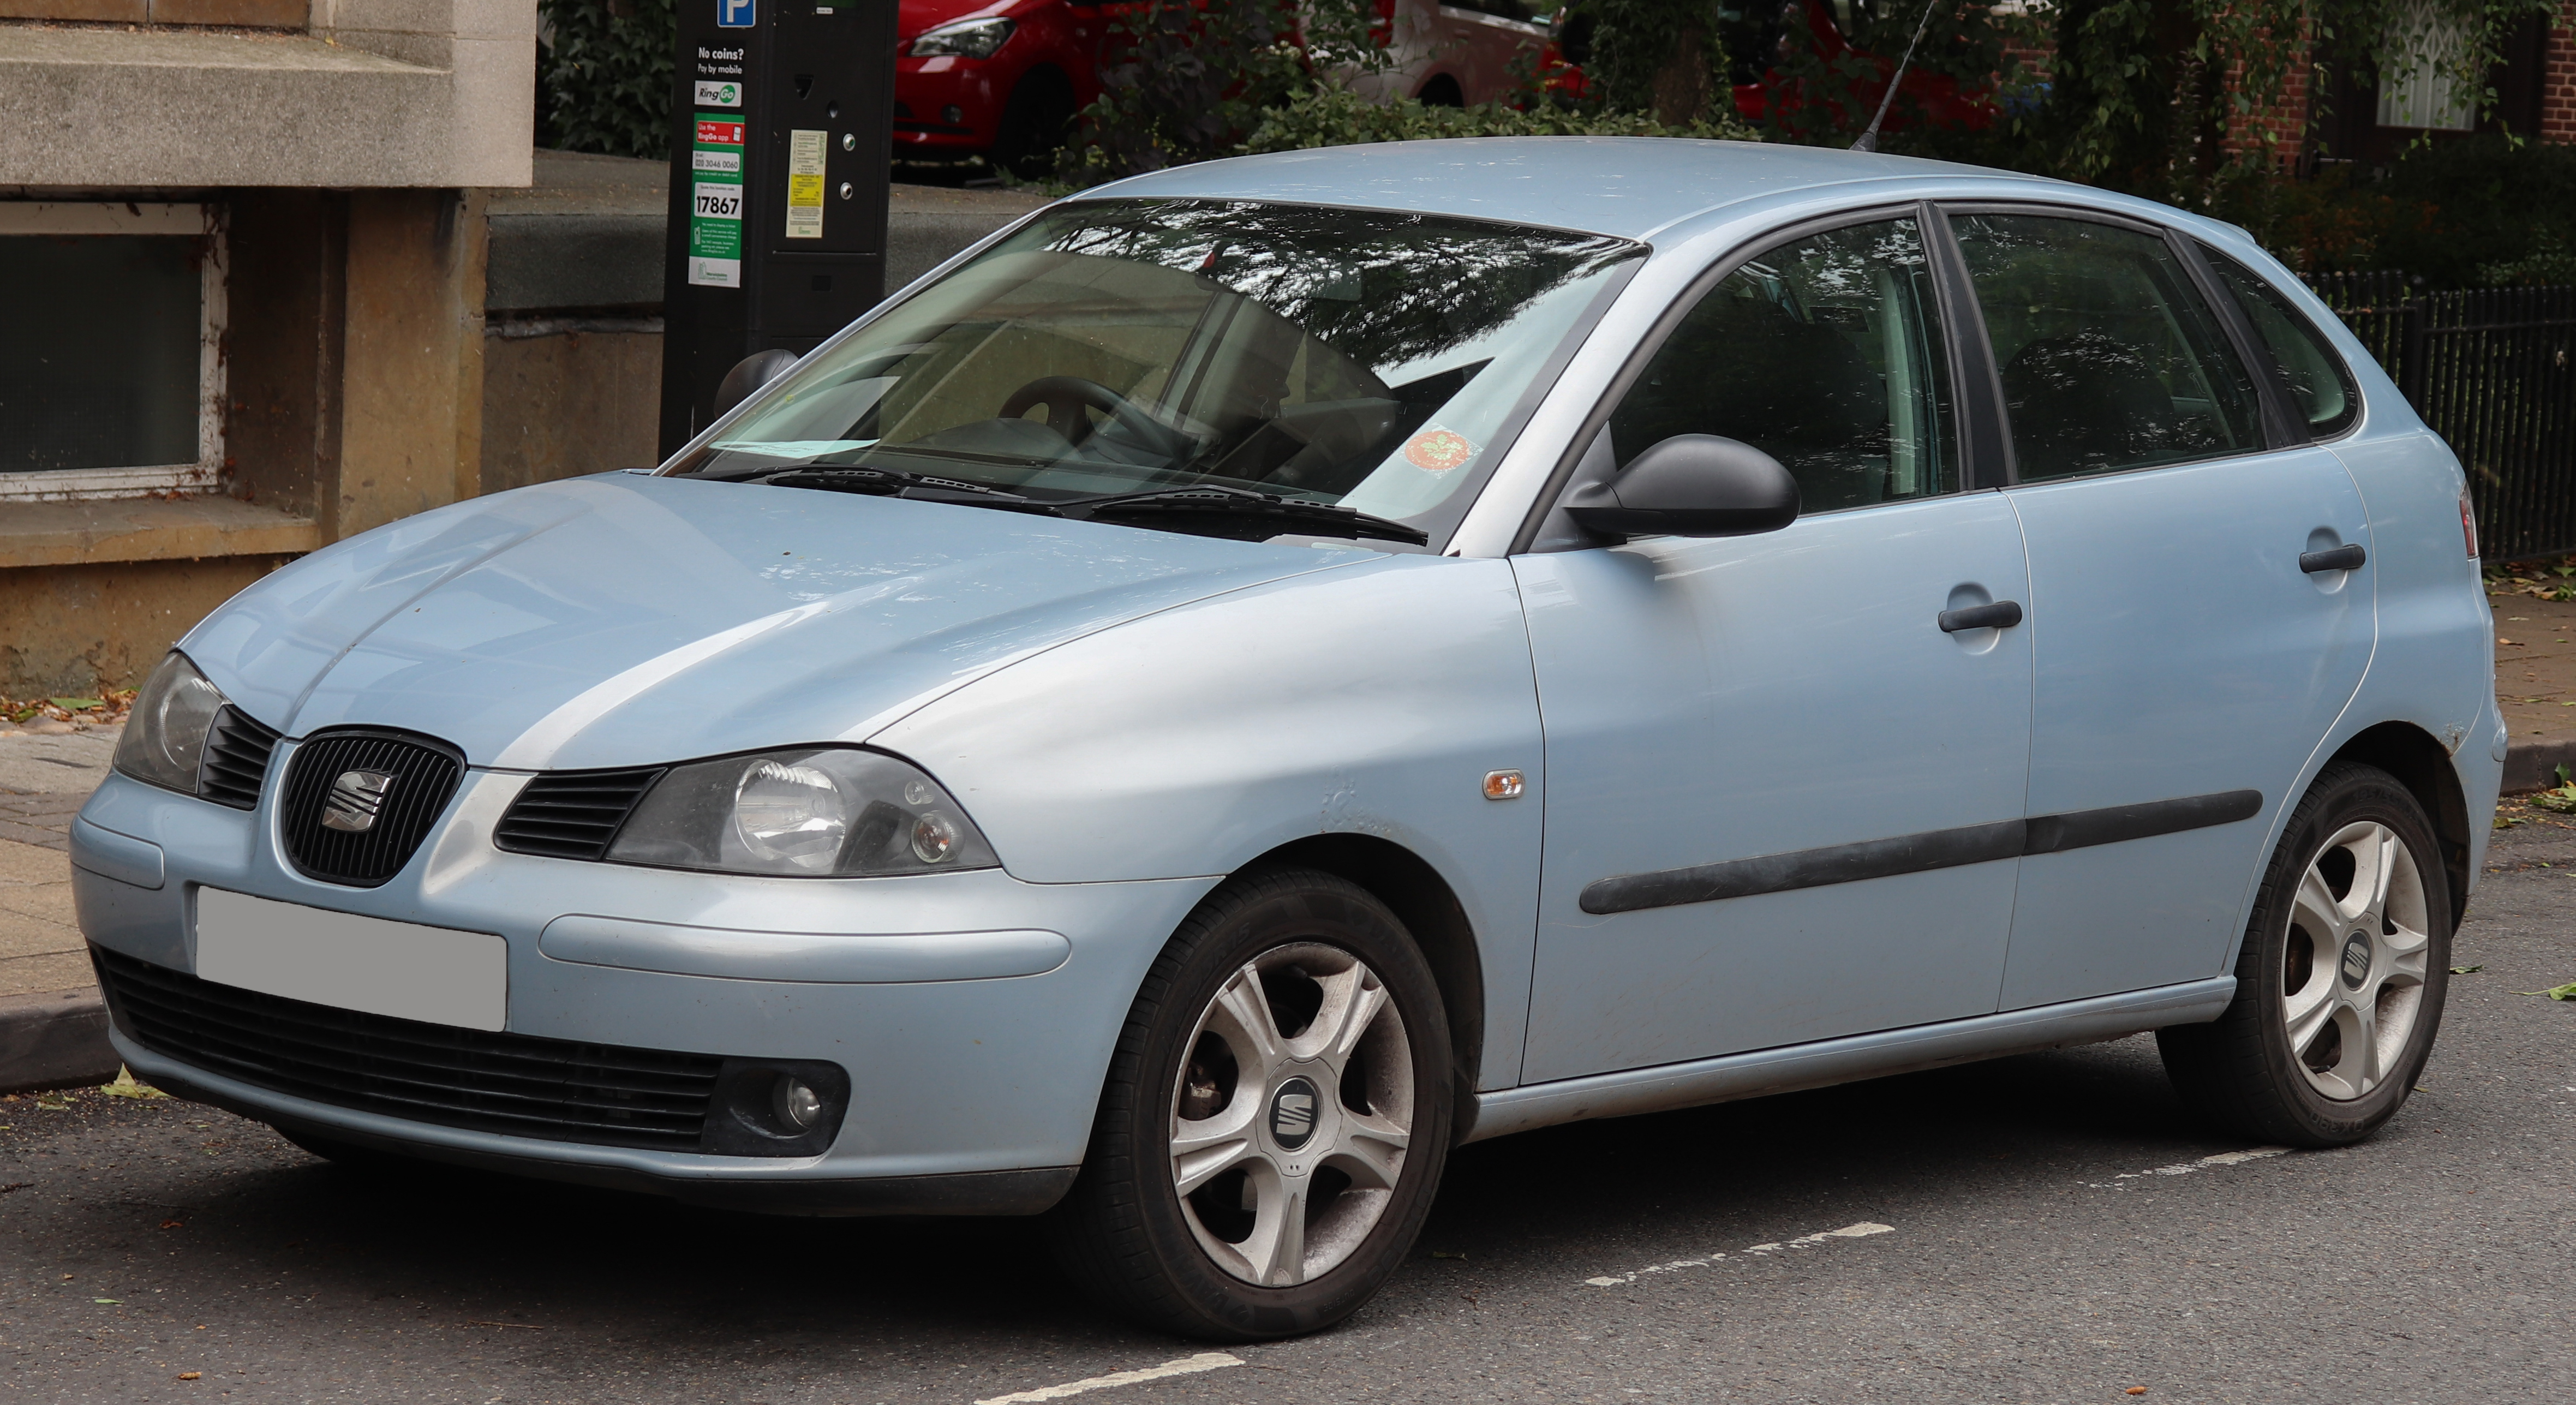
column 604, row 76
column 2169, row 97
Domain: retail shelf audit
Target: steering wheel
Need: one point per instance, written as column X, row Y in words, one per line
column 1065, row 397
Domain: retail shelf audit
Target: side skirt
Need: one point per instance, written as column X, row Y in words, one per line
column 1666, row 1087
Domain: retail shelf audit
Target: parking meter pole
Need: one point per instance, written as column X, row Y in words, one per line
column 781, row 134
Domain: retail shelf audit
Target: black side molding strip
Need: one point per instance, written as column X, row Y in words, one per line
column 1916, row 853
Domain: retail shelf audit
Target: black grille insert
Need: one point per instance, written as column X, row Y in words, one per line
column 572, row 814
column 517, row 1084
column 421, row 777
column 236, row 759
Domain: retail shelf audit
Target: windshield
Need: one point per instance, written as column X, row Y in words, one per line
column 1369, row 360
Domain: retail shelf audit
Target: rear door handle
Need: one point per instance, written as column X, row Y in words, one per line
column 2341, row 558
column 2003, row 614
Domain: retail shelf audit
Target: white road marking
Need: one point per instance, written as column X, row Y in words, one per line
column 1863, row 1230
column 2206, row 1163
column 1186, row 1366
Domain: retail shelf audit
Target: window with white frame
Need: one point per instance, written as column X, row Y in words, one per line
column 111, row 349
column 2426, row 82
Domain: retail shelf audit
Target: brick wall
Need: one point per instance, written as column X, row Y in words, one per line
column 2558, row 80
column 2285, row 116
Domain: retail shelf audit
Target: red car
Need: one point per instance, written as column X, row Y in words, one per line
column 1001, row 79
column 998, row 79
column 1759, row 84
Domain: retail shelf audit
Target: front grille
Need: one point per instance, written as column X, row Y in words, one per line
column 236, row 759
column 518, row 1084
column 572, row 814
column 424, row 775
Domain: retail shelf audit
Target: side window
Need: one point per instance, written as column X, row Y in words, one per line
column 2321, row 388
column 2109, row 358
column 1826, row 354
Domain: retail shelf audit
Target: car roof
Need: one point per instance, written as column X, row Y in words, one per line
column 1629, row 187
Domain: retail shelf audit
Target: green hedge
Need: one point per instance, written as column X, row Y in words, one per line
column 1329, row 115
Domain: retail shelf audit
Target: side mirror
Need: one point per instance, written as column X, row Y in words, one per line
column 750, row 374
column 1691, row 485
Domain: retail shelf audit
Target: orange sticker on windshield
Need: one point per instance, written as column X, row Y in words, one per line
column 1438, row 450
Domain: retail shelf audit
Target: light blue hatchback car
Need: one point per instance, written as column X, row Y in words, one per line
column 1265, row 672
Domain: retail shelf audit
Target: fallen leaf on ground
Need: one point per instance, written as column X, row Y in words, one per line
column 172, row 1224
column 126, row 1087
column 2555, row 992
column 111, row 1302
column 191, row 1375
column 2466, row 970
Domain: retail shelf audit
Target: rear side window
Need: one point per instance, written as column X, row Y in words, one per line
column 2110, row 360
column 1825, row 353
column 2320, row 387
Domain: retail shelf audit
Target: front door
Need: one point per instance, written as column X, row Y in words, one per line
column 1783, row 802
column 2187, row 666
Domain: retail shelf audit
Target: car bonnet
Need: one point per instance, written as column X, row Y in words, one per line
column 626, row 620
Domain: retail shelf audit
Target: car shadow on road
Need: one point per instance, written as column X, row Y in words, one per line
column 468, row 1250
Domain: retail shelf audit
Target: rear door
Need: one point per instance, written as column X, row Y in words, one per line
column 2186, row 664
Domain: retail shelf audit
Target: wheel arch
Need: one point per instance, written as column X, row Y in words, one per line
column 1045, row 71
column 1429, row 909
column 2423, row 766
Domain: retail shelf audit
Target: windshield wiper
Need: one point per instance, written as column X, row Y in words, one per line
column 1215, row 499
column 1209, row 499
column 892, row 483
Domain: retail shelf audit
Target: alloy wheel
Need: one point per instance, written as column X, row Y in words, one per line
column 1292, row 1114
column 2353, row 969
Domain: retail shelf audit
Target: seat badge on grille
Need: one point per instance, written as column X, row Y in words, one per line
column 355, row 799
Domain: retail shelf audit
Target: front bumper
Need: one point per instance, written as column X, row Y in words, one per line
column 970, row 1095
column 924, row 91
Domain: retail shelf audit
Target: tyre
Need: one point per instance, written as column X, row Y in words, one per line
column 1034, row 123
column 2339, row 986
column 1275, row 1119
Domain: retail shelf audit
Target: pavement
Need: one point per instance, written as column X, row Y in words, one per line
column 2536, row 687
column 2051, row 1228
column 53, row 1030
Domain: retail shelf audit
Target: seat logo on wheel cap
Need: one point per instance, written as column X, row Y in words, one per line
column 1292, row 1114
column 2356, row 959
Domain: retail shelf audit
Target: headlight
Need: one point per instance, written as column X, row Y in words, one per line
column 972, row 39
column 823, row 812
column 165, row 738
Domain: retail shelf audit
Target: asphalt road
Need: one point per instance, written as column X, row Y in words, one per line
column 2053, row 1234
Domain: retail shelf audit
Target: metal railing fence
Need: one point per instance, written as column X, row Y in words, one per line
column 2488, row 369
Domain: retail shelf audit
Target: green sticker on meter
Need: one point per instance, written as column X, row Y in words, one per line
column 715, row 201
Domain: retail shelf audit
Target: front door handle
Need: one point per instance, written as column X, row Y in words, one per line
column 2341, row 558
column 2003, row 614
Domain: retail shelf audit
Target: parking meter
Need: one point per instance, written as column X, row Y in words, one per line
column 781, row 134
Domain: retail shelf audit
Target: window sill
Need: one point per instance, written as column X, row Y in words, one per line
column 148, row 529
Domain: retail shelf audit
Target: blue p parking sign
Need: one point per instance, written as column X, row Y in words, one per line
column 736, row 14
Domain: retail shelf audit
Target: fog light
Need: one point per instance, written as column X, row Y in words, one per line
column 798, row 1106
column 952, row 114
column 776, row 1107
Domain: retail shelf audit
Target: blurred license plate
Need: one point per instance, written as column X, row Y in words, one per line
column 412, row 972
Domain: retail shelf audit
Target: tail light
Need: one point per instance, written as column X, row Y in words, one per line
column 2468, row 524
